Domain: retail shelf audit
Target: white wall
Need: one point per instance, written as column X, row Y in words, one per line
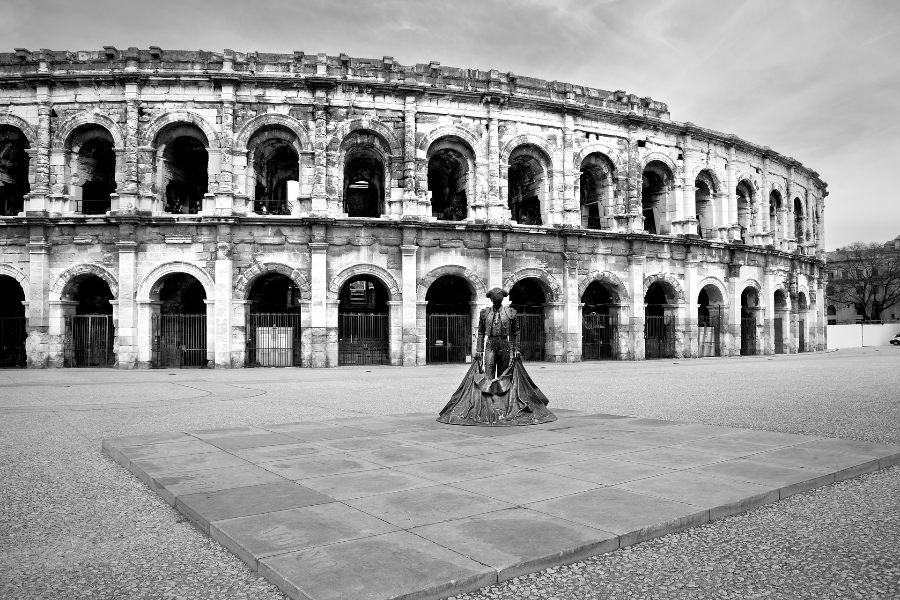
column 857, row 336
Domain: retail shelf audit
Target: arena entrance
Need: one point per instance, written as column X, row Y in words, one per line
column 448, row 321
column 599, row 324
column 89, row 333
column 659, row 327
column 802, row 308
column 363, row 322
column 12, row 323
column 179, row 330
column 527, row 297
column 709, row 321
column 749, row 307
column 781, row 310
column 273, row 323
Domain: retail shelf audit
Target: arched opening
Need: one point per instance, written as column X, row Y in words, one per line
column 599, row 323
column 180, row 327
column 90, row 333
column 779, row 302
column 364, row 185
column 710, row 310
column 528, row 188
column 92, row 169
column 182, row 168
column 749, row 308
column 12, row 323
column 596, row 191
column 659, row 323
column 13, row 171
column 744, row 203
column 528, row 298
column 799, row 221
column 705, row 188
column 274, row 332
column 275, row 163
column 802, row 309
column 363, row 322
column 832, row 314
column 657, row 183
column 774, row 212
column 448, row 180
column 448, row 314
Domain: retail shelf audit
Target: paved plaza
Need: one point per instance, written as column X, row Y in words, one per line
column 76, row 524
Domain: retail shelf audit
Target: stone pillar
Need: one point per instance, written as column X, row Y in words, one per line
column 571, row 308
column 768, row 302
column 689, row 191
column 37, row 343
column 320, row 194
column 731, row 321
column 634, row 221
column 395, row 332
column 222, row 306
column 38, row 198
column 571, row 206
column 129, row 200
column 497, row 211
column 690, row 318
column 126, row 330
column 636, row 266
column 323, row 354
column 410, row 331
column 238, row 316
column 495, row 268
column 211, row 332
column 59, row 311
column 412, row 205
column 732, row 212
column 225, row 182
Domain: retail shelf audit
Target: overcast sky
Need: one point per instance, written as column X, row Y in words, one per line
column 817, row 80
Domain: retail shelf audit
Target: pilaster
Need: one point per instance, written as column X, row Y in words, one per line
column 410, row 333
column 636, row 265
column 318, row 313
column 126, row 329
column 224, row 285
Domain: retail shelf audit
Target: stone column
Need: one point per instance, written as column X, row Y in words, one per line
column 59, row 311
column 571, row 207
column 38, row 201
column 320, row 193
column 411, row 206
column 37, row 343
column 636, row 266
column 225, row 188
column 732, row 212
column 410, row 332
column 129, row 200
column 690, row 318
column 147, row 312
column 222, row 306
column 395, row 332
column 634, row 221
column 768, row 301
column 497, row 212
column 689, row 191
column 324, row 349
column 731, row 321
column 571, row 308
column 211, row 332
column 126, row 330
column 495, row 267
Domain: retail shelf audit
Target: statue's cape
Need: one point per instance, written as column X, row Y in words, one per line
column 511, row 399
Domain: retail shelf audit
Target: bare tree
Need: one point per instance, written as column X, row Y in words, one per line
column 866, row 276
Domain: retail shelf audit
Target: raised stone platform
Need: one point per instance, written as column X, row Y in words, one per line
column 404, row 507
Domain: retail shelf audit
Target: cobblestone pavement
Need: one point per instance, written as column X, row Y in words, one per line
column 75, row 525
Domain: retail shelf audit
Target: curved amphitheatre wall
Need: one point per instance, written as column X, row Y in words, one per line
column 491, row 171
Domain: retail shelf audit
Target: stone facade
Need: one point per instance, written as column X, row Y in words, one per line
column 230, row 166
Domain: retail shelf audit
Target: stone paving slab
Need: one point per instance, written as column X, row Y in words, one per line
column 400, row 506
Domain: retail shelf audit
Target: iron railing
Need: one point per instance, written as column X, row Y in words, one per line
column 272, row 207
column 273, row 340
column 801, row 324
column 659, row 337
column 448, row 338
column 779, row 335
column 179, row 341
column 531, row 337
column 89, row 341
column 12, row 342
column 748, row 336
column 363, row 339
column 709, row 328
column 599, row 336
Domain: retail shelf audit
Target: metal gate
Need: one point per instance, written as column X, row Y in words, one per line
column 89, row 341
column 599, row 336
column 362, row 339
column 802, row 324
column 779, row 335
column 659, row 337
column 273, row 340
column 448, row 338
column 179, row 341
column 12, row 342
column 748, row 336
column 708, row 329
column 531, row 337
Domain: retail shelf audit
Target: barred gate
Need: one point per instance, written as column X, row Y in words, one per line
column 802, row 325
column 748, row 336
column 659, row 337
column 531, row 337
column 779, row 335
column 179, row 341
column 708, row 335
column 599, row 339
column 273, row 340
column 12, row 342
column 363, row 339
column 448, row 338
column 89, row 341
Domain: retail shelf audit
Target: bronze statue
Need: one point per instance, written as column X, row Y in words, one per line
column 501, row 393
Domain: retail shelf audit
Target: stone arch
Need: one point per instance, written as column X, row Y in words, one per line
column 552, row 289
column 152, row 283
column 476, row 284
column 714, row 174
column 746, row 176
column 338, row 281
column 179, row 116
column 474, row 143
column 68, row 127
column 610, row 280
column 22, row 125
column 716, row 283
column 375, row 126
column 11, row 271
column 597, row 148
column 531, row 139
column 272, row 119
column 64, row 282
column 246, row 279
column 752, row 283
column 663, row 158
column 674, row 293
column 777, row 186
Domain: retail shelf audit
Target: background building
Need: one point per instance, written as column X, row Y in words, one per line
column 169, row 208
column 863, row 284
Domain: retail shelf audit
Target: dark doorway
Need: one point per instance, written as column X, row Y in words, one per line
column 781, row 308
column 749, row 306
column 448, row 172
column 13, row 171
column 709, row 321
column 528, row 298
column 364, row 186
column 180, row 327
column 186, row 161
column 599, row 324
column 363, row 322
column 90, row 334
column 448, row 327
column 275, row 162
column 12, row 323
column 659, row 327
column 93, row 159
column 274, row 332
column 527, row 186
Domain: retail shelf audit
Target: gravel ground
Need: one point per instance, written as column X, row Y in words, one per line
column 75, row 525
